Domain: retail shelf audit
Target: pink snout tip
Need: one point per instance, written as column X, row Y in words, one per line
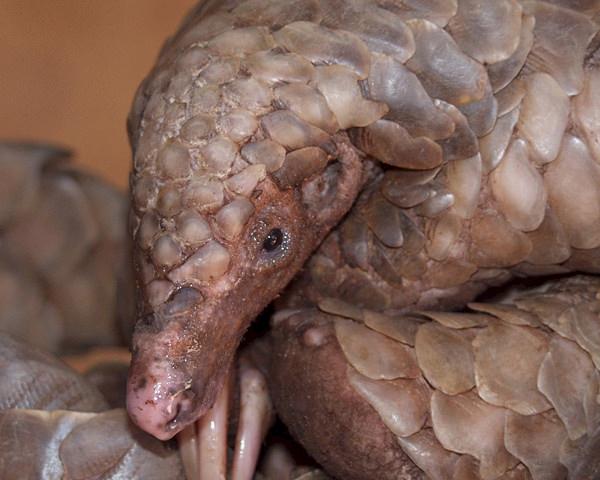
column 161, row 409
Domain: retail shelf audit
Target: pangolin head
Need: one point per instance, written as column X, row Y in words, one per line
column 239, row 172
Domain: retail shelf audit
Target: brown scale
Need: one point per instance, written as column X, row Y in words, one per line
column 476, row 153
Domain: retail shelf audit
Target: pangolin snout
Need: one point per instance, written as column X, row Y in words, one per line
column 161, row 400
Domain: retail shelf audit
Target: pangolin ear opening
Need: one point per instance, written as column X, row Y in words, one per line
column 330, row 195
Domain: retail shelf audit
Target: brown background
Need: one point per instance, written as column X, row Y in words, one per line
column 69, row 69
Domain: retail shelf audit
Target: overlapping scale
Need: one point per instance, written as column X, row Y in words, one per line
column 446, row 358
column 551, row 53
column 436, row 11
column 496, row 243
column 402, row 404
column 536, row 441
column 391, row 144
column 322, row 45
column 505, row 71
column 339, row 86
column 308, row 104
column 563, row 378
column 466, row 424
column 382, row 31
column 506, row 379
column 451, row 76
column 409, row 104
column 518, row 188
column 573, row 185
column 488, row 31
column 425, row 450
column 374, row 355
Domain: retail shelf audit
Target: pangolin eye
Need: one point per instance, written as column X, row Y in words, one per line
column 273, row 240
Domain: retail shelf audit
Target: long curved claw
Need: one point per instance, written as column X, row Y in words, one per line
column 256, row 413
column 203, row 445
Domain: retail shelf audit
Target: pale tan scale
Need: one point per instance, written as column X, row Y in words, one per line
column 246, row 181
column 543, row 116
column 174, row 161
column 493, row 145
column 510, row 97
column 442, row 234
column 451, row 76
column 507, row 313
column 381, row 30
column 166, row 252
column 273, row 68
column 197, row 128
column 425, row 450
column 203, row 195
column 436, row 11
column 503, row 73
column 440, row 200
column 205, row 99
column 402, row 329
column 573, row 185
column 585, row 320
column 249, row 94
column 550, row 53
column 232, row 218
column 563, row 378
column 536, row 440
column 391, row 144
column 457, row 320
column 466, row 424
column 193, row 228
column 464, row 181
column 591, row 405
column 338, row 307
column 323, row 45
column 550, row 242
column 496, row 243
column 402, row 404
column 217, row 72
column 300, row 165
column 463, row 142
column 210, row 262
column 193, row 59
column 585, row 111
column 446, row 358
column 238, row 125
column 374, row 355
column 218, row 156
column 241, row 41
column 339, row 86
column 168, row 202
column 277, row 13
column 291, row 132
column 264, row 152
column 518, row 188
column 308, row 104
column 501, row 378
column 415, row 112
column 482, row 114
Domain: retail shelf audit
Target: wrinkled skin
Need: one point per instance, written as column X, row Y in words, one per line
column 478, row 165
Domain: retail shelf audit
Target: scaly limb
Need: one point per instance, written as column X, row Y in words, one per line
column 508, row 391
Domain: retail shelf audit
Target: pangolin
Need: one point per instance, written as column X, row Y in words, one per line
column 406, row 155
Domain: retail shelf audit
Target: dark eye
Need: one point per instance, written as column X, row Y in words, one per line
column 273, row 240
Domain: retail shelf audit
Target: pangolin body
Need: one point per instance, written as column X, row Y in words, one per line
column 461, row 137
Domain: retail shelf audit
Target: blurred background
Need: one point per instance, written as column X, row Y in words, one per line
column 69, row 69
